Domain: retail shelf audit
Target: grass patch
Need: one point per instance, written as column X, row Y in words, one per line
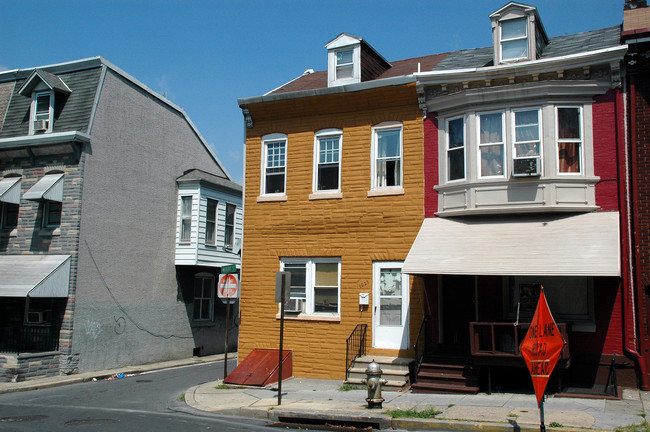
column 643, row 427
column 413, row 413
column 181, row 398
column 555, row 424
column 348, row 387
column 513, row 415
column 222, row 387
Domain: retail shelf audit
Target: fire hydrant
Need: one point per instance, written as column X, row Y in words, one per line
column 374, row 381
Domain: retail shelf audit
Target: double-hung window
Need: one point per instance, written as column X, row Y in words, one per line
column 9, row 215
column 491, row 145
column 387, row 155
column 344, row 64
column 327, row 169
column 211, row 222
column 514, row 39
column 456, row 149
column 203, row 297
column 229, row 235
column 51, row 214
column 275, row 164
column 526, row 142
column 42, row 111
column 315, row 285
column 186, row 219
column 569, row 140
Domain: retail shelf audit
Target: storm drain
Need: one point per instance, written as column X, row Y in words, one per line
column 325, row 424
column 22, row 418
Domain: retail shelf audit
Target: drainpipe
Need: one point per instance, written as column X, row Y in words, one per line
column 628, row 275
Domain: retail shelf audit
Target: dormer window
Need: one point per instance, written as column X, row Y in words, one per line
column 42, row 111
column 344, row 64
column 514, row 39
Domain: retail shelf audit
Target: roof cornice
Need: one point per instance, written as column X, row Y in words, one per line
column 51, row 138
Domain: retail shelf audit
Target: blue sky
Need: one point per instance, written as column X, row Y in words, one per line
column 204, row 55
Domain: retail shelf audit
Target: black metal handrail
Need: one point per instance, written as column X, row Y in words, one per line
column 37, row 338
column 421, row 343
column 355, row 346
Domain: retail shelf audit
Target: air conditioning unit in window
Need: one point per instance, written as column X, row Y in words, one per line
column 526, row 167
column 294, row 305
column 38, row 317
column 40, row 125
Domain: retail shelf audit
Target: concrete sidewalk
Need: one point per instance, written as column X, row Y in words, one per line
column 312, row 401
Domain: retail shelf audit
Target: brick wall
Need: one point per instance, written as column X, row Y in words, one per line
column 605, row 130
column 357, row 228
column 430, row 164
column 25, row 367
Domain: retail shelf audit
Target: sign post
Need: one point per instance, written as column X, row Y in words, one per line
column 541, row 349
column 227, row 289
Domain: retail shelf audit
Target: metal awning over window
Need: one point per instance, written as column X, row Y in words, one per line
column 10, row 190
column 553, row 245
column 50, row 187
column 34, row 275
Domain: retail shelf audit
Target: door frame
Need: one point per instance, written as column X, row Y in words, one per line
column 398, row 338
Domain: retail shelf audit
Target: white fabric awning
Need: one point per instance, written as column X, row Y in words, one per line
column 34, row 275
column 50, row 187
column 553, row 245
column 10, row 190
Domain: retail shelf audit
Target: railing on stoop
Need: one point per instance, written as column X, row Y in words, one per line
column 421, row 343
column 355, row 346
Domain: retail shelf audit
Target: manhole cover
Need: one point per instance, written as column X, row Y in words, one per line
column 89, row 421
column 22, row 418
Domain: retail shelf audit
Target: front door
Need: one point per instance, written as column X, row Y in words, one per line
column 458, row 310
column 390, row 306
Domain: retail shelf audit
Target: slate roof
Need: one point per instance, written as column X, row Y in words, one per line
column 470, row 58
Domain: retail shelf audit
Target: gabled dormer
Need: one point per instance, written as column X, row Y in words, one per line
column 352, row 60
column 43, row 87
column 517, row 34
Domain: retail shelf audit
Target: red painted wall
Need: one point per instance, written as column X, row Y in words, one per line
column 430, row 164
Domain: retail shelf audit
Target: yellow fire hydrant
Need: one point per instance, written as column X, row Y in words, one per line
column 374, row 381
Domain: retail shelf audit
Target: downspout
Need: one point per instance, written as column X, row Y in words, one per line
column 628, row 273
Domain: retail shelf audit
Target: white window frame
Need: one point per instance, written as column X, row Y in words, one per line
column 35, row 117
column 183, row 217
column 463, row 148
column 310, row 283
column 580, row 141
column 326, row 134
column 514, row 39
column 229, row 228
column 47, row 210
column 349, row 65
column 502, row 143
column 210, row 299
column 513, row 138
column 266, row 141
column 386, row 126
column 211, row 220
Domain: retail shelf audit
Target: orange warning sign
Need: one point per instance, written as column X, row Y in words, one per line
column 542, row 346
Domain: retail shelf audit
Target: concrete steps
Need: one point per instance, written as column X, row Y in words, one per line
column 396, row 370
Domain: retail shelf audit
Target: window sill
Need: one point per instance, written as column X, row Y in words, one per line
column 50, row 232
column 325, row 195
column 271, row 198
column 305, row 317
column 385, row 192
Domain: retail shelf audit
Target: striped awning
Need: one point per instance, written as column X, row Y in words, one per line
column 553, row 245
column 34, row 275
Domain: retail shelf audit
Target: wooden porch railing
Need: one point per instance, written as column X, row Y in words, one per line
column 502, row 340
column 355, row 346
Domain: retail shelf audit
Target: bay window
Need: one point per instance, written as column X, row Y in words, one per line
column 569, row 140
column 491, row 145
column 315, row 285
column 229, row 237
column 186, row 218
column 456, row 149
column 211, row 222
column 526, row 142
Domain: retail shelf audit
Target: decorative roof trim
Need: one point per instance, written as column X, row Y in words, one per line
column 52, row 81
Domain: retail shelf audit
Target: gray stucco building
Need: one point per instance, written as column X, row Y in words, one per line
column 94, row 168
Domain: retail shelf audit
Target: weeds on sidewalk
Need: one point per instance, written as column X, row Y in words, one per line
column 348, row 387
column 643, row 427
column 413, row 413
column 222, row 387
column 181, row 398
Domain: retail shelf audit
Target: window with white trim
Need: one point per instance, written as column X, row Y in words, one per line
column 387, row 155
column 42, row 112
column 569, row 140
column 203, row 303
column 229, row 233
column 491, row 144
column 315, row 285
column 456, row 149
column 274, row 168
column 211, row 222
column 526, row 141
column 514, row 39
column 327, row 161
column 186, row 219
column 344, row 64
